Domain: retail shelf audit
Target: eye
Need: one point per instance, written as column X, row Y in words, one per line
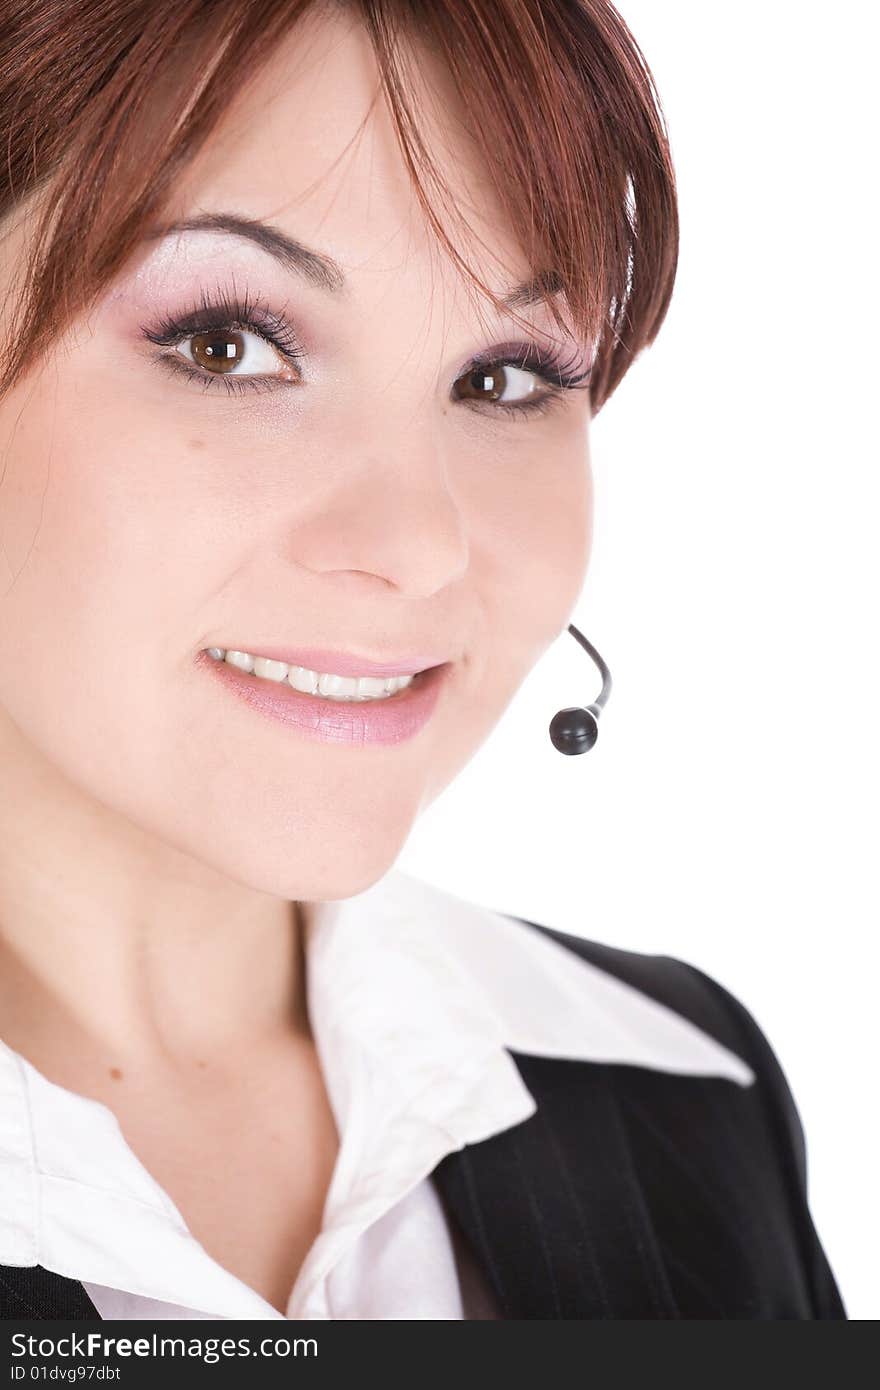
column 503, row 382
column 228, row 351
column 231, row 342
column 524, row 380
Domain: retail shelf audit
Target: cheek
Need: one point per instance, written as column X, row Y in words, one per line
column 101, row 565
column 532, row 535
column 537, row 549
column 555, row 549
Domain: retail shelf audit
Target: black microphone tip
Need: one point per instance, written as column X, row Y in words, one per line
column 575, row 730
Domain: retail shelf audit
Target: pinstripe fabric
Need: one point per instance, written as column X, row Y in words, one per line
column 638, row 1193
column 37, row 1293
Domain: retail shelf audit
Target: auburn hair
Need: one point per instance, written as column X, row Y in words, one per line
column 103, row 102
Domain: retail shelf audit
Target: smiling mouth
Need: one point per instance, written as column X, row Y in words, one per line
column 328, row 685
column 329, row 710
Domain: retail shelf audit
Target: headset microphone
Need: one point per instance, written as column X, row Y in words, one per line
column 575, row 730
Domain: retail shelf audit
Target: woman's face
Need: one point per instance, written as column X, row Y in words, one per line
column 367, row 496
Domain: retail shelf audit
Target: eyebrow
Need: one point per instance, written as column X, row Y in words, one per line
column 320, row 270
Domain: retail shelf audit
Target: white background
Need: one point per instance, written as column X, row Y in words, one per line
column 728, row 813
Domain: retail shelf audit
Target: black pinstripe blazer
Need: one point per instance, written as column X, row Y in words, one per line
column 630, row 1193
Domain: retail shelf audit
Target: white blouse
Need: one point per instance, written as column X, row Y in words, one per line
column 415, row 996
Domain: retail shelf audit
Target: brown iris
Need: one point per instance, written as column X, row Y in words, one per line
column 218, row 350
column 483, row 384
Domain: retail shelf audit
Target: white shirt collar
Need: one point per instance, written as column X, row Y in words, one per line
column 416, row 998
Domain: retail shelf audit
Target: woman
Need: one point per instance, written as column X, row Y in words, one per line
column 307, row 308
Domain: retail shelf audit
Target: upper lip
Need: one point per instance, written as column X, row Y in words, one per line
column 346, row 663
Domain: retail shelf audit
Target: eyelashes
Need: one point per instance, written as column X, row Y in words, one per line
column 229, row 311
column 560, row 377
column 225, row 311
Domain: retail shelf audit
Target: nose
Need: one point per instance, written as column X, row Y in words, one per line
column 395, row 518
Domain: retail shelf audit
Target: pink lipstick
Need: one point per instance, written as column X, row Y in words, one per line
column 389, row 719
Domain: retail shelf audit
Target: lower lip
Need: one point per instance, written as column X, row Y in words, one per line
column 384, row 721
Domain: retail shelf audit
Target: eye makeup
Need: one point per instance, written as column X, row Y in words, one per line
column 232, row 311
column 560, row 374
column 225, row 310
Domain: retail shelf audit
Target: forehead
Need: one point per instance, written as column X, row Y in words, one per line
column 310, row 145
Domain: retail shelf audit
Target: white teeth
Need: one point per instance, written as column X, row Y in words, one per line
column 330, row 686
column 301, row 679
column 271, row 670
column 338, row 685
column 241, row 660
